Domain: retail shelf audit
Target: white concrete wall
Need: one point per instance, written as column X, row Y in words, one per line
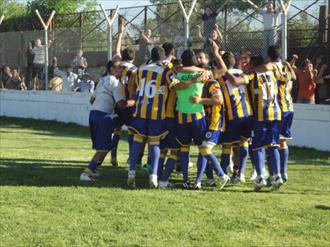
column 311, row 126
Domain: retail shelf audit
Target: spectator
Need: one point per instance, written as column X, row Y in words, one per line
column 69, row 79
column 56, row 84
column 15, row 81
column 179, row 43
column 85, row 85
column 209, row 19
column 323, row 80
column 79, row 64
column 146, row 42
column 215, row 36
column 29, row 60
column 5, row 76
column 306, row 77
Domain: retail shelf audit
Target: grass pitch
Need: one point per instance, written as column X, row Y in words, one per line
column 43, row 203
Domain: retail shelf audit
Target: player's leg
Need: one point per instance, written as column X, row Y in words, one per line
column 162, row 157
column 285, row 134
column 154, row 152
column 284, row 158
column 225, row 156
column 169, row 167
column 114, row 144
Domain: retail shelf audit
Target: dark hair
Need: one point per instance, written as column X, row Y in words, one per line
column 157, row 53
column 128, row 54
column 110, row 64
column 257, row 60
column 246, row 53
column 202, row 51
column 188, row 57
column 168, row 48
column 274, row 52
column 229, row 59
column 68, row 66
column 177, row 62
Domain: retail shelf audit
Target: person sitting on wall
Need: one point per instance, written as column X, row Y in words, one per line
column 85, row 85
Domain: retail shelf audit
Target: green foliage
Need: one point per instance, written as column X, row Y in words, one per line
column 43, row 203
column 11, row 8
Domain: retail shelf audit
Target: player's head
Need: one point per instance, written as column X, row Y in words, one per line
column 270, row 7
column 114, row 68
column 169, row 49
column 128, row 54
column 202, row 58
column 37, row 41
column 217, row 73
column 229, row 59
column 177, row 63
column 208, row 11
column 157, row 54
column 256, row 61
column 274, row 53
column 80, row 53
column 188, row 58
column 244, row 60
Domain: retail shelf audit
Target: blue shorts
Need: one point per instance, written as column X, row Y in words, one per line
column 125, row 115
column 236, row 129
column 265, row 134
column 170, row 141
column 101, row 126
column 195, row 131
column 148, row 127
column 286, row 123
column 212, row 136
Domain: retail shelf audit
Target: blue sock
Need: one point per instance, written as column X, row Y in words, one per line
column 274, row 160
column 154, row 158
column 130, row 139
column 215, row 164
column 259, row 160
column 209, row 171
column 284, row 156
column 114, row 145
column 201, row 165
column 243, row 156
column 225, row 160
column 92, row 165
column 169, row 167
column 160, row 165
column 135, row 154
column 184, row 160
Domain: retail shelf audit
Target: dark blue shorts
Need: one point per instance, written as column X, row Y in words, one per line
column 235, row 130
column 286, row 123
column 170, row 141
column 148, row 127
column 212, row 136
column 188, row 132
column 265, row 134
column 125, row 115
column 101, row 126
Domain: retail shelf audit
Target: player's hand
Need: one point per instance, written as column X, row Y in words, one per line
column 295, row 56
column 195, row 99
column 216, row 27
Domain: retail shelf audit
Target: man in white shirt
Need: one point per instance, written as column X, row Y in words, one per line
column 102, row 117
column 69, row 78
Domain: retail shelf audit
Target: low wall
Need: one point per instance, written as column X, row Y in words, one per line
column 311, row 126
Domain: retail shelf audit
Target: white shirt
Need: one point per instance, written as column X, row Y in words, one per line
column 107, row 93
column 39, row 55
column 68, row 80
column 270, row 19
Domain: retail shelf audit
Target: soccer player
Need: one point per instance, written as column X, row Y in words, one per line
column 102, row 119
column 267, row 117
column 286, row 105
column 153, row 82
column 238, row 116
column 169, row 54
column 127, row 81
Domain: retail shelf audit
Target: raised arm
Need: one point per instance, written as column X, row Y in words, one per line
column 120, row 37
column 216, row 28
column 292, row 72
column 199, row 33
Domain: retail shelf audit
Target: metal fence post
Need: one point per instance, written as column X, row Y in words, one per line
column 186, row 21
column 1, row 18
column 284, row 25
column 110, row 23
column 45, row 26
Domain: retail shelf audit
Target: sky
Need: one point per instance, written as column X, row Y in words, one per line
column 110, row 4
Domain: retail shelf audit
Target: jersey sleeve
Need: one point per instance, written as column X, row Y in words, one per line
column 116, row 90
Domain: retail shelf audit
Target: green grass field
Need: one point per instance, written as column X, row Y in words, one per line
column 43, row 203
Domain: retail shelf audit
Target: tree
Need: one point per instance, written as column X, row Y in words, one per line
column 11, row 8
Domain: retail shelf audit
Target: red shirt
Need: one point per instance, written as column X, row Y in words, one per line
column 306, row 86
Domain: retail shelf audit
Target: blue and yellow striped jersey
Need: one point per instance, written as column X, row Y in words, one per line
column 264, row 92
column 283, row 76
column 184, row 118
column 128, row 78
column 214, row 113
column 170, row 104
column 236, row 98
column 152, row 91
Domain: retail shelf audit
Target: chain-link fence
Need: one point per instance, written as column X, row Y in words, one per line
column 237, row 30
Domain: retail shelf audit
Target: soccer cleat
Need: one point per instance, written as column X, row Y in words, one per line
column 260, row 182
column 264, row 173
column 198, row 186
column 88, row 176
column 230, row 168
column 225, row 179
column 238, row 179
column 253, row 174
column 165, row 184
column 277, row 182
column 210, row 182
column 153, row 181
column 284, row 177
column 185, row 186
column 114, row 162
column 131, row 179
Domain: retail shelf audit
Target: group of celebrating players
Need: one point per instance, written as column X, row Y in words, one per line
column 241, row 103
